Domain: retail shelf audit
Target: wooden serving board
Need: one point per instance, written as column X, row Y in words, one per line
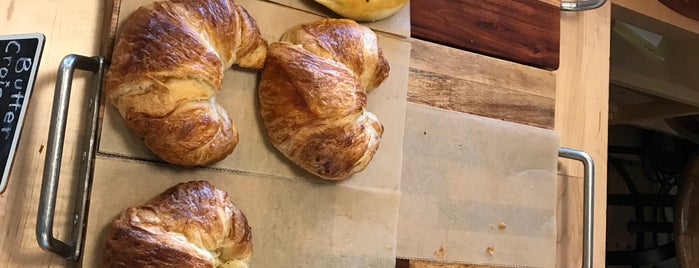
column 523, row 31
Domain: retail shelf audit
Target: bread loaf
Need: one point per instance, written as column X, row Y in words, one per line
column 167, row 68
column 313, row 93
column 364, row 10
column 191, row 224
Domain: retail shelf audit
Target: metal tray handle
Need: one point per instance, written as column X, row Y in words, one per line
column 52, row 165
column 588, row 200
column 581, row 5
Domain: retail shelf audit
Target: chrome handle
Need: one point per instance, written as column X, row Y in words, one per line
column 581, row 5
column 52, row 165
column 588, row 200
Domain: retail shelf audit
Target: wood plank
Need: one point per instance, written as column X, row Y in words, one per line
column 478, row 84
column 524, row 31
column 481, row 85
column 581, row 117
column 70, row 27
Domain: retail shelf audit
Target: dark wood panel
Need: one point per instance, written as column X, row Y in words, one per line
column 523, row 31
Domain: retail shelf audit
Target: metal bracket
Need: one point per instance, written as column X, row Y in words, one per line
column 588, row 200
column 581, row 5
column 52, row 165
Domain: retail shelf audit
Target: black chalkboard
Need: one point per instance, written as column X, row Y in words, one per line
column 19, row 60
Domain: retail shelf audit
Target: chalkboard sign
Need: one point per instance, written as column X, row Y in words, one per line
column 19, row 60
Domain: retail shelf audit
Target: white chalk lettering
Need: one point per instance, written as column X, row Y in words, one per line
column 17, row 45
column 8, row 59
column 26, row 65
column 6, row 130
column 3, row 72
column 18, row 101
column 9, row 117
column 5, row 83
column 20, row 81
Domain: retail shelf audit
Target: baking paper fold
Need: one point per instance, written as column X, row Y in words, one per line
column 472, row 183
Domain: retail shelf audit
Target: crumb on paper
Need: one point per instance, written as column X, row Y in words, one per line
column 41, row 148
column 439, row 253
column 502, row 225
column 490, row 250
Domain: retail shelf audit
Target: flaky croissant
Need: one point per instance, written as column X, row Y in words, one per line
column 191, row 224
column 167, row 67
column 312, row 95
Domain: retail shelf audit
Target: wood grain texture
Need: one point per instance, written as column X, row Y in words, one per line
column 524, row 31
column 70, row 27
column 462, row 81
column 582, row 97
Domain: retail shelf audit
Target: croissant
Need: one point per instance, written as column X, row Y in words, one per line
column 192, row 224
column 313, row 92
column 167, row 68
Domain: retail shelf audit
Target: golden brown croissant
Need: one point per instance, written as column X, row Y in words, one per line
column 191, row 224
column 313, row 92
column 364, row 10
column 168, row 66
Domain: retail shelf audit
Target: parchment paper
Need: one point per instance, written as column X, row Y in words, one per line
column 464, row 175
column 294, row 223
column 254, row 154
column 297, row 219
column 398, row 24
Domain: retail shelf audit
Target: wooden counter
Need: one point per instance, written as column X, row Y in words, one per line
column 572, row 100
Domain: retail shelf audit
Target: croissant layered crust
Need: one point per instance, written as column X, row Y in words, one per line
column 313, row 93
column 167, row 68
column 192, row 224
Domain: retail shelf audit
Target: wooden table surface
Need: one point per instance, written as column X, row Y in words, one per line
column 572, row 100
